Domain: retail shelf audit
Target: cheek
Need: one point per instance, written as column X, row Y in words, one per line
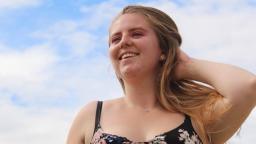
column 113, row 57
column 111, row 53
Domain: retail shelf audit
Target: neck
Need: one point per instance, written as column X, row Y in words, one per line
column 140, row 93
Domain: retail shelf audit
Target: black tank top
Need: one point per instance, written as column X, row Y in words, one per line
column 183, row 134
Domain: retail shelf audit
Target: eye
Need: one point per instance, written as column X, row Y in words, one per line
column 115, row 39
column 137, row 34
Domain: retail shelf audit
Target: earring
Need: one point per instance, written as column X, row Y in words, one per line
column 162, row 57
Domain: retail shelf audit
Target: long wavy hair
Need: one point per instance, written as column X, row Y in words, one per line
column 186, row 96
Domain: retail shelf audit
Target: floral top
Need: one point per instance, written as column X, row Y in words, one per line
column 183, row 134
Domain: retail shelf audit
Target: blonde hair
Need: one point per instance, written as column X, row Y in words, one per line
column 185, row 96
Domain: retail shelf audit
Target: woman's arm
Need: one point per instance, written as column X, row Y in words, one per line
column 237, row 85
column 81, row 130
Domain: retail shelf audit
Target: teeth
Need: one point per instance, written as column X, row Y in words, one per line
column 126, row 55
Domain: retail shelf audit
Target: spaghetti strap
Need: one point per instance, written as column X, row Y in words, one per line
column 187, row 118
column 98, row 114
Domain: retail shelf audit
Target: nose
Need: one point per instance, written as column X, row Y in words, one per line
column 125, row 41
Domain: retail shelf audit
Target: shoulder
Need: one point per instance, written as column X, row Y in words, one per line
column 88, row 109
column 83, row 125
column 87, row 113
column 111, row 105
column 113, row 102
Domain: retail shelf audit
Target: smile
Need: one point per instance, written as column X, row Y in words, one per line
column 128, row 55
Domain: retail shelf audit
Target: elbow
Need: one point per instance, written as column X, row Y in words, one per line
column 254, row 83
column 253, row 90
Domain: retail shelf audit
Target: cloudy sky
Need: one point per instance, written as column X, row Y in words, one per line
column 54, row 58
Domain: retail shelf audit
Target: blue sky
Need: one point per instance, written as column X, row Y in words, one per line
column 54, row 57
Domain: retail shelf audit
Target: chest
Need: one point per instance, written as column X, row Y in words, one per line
column 139, row 126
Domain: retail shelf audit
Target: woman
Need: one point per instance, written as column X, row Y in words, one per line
column 169, row 97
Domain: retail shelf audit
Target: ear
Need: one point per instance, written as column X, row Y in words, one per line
column 162, row 57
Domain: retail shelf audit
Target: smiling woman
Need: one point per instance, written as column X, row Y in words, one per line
column 140, row 52
column 169, row 97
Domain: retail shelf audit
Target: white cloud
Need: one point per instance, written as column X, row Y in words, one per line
column 102, row 13
column 23, row 71
column 68, row 36
column 12, row 4
column 27, row 65
column 20, row 125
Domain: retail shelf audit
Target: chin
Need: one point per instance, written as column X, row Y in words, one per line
column 129, row 73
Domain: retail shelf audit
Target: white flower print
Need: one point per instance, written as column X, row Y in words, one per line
column 159, row 139
column 184, row 136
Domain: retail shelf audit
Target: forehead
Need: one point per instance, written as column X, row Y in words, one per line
column 128, row 21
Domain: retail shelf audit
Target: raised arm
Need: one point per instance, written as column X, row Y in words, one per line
column 237, row 85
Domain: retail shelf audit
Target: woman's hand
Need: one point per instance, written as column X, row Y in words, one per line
column 181, row 68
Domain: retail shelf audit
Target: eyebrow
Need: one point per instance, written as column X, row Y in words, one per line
column 130, row 30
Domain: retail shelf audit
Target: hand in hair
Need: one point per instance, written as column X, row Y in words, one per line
column 180, row 69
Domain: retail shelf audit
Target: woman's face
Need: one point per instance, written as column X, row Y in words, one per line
column 133, row 47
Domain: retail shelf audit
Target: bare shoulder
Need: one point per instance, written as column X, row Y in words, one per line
column 89, row 108
column 112, row 102
column 111, row 105
column 82, row 126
